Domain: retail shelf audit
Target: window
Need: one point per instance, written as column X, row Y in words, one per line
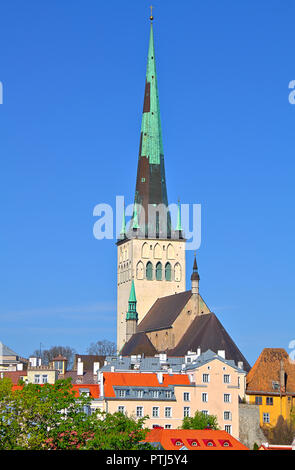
column 204, row 397
column 155, row 411
column 159, row 271
column 227, row 398
column 122, row 393
column 227, row 428
column 149, row 271
column 121, row 409
column 186, row 411
column 168, row 272
column 205, row 378
column 258, row 400
column 139, row 393
column 205, row 412
column 168, row 394
column 168, row 426
column 155, row 394
column 226, row 378
column 44, row 379
column 37, row 379
column 227, row 415
column 168, row 412
column 186, row 396
column 266, row 417
column 139, row 411
column 269, row 400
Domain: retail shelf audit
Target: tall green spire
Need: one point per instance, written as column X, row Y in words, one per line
column 132, row 314
column 151, row 182
column 152, row 144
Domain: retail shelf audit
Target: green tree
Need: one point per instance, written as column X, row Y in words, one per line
column 53, row 417
column 282, row 433
column 119, row 432
column 200, row 421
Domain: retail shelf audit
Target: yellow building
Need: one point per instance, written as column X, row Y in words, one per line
column 271, row 385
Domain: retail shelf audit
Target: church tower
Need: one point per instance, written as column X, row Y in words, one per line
column 150, row 254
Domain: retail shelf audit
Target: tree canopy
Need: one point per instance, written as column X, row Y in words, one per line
column 52, row 417
column 103, row 348
column 200, row 421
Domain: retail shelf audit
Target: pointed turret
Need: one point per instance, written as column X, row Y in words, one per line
column 132, row 315
column 195, row 278
column 151, row 181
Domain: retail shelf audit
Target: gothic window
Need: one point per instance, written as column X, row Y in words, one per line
column 170, row 252
column 140, row 270
column 159, row 271
column 145, row 251
column 149, row 271
column 157, row 251
column 168, row 272
column 177, row 272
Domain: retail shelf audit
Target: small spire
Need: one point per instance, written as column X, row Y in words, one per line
column 195, row 275
column 178, row 226
column 135, row 225
column 132, row 313
column 123, row 229
column 151, row 17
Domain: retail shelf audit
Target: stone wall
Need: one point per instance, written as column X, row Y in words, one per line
column 249, row 423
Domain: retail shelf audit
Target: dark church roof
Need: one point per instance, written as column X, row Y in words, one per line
column 139, row 343
column 206, row 332
column 164, row 312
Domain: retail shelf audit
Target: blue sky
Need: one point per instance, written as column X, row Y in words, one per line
column 73, row 78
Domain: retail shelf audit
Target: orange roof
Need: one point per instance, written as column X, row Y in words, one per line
column 14, row 375
column 139, row 379
column 194, row 439
column 266, row 370
column 93, row 389
column 274, row 447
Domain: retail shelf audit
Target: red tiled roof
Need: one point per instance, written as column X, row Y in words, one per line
column 266, row 370
column 93, row 389
column 168, row 438
column 139, row 379
column 15, row 375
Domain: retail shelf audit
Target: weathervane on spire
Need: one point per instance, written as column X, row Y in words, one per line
column 151, row 17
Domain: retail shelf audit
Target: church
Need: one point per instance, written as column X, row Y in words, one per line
column 155, row 312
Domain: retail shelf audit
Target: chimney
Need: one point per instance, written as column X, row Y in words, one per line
column 240, row 364
column 282, row 377
column 79, row 366
column 95, row 367
column 221, row 353
column 160, row 377
column 112, row 368
column 198, row 352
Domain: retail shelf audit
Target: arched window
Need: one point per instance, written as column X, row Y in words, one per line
column 170, row 252
column 157, row 251
column 145, row 250
column 140, row 270
column 168, row 272
column 177, row 272
column 159, row 271
column 149, row 271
